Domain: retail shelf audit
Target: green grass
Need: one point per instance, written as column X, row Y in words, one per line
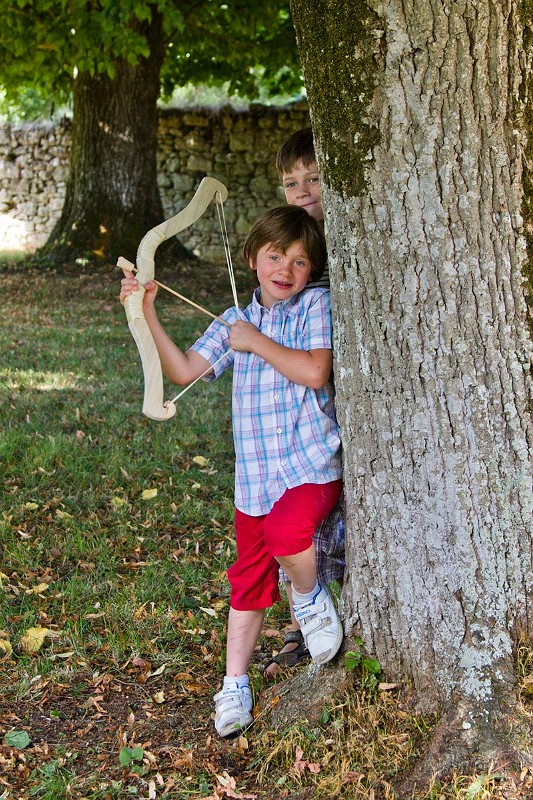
column 132, row 591
column 77, row 455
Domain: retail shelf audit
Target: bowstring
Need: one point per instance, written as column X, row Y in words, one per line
column 231, row 273
column 204, row 373
column 227, row 251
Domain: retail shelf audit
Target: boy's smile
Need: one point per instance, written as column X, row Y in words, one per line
column 302, row 188
column 281, row 275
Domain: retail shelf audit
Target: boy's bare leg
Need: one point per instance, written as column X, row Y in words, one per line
column 304, row 565
column 273, row 667
column 294, row 624
column 244, row 628
column 314, row 608
column 234, row 702
column 301, row 569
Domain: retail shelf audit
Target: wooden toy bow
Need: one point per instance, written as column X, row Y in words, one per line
column 209, row 189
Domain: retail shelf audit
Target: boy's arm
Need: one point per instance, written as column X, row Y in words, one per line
column 179, row 367
column 310, row 368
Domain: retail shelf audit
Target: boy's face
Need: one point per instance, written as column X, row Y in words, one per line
column 281, row 275
column 302, row 188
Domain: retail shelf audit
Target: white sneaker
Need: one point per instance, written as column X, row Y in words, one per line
column 320, row 626
column 233, row 709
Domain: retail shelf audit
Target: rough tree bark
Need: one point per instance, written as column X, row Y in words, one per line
column 112, row 196
column 418, row 115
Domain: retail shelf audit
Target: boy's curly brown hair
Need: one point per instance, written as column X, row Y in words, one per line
column 298, row 147
column 281, row 227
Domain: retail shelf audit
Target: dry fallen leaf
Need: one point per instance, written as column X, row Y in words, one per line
column 271, row 633
column 149, row 494
column 201, row 461
column 300, row 764
column 41, row 587
column 241, row 744
column 227, row 786
column 118, row 502
column 183, row 676
column 5, row 646
column 158, row 671
column 33, row 639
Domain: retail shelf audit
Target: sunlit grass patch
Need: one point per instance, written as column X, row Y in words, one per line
column 20, row 380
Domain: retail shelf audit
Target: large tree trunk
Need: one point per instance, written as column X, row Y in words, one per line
column 112, row 196
column 417, row 110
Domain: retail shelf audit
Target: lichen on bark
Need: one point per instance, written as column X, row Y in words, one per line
column 426, row 254
column 345, row 34
column 526, row 93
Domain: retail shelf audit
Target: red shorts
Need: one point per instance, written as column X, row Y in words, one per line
column 286, row 530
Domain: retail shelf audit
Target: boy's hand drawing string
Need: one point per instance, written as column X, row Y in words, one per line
column 209, row 189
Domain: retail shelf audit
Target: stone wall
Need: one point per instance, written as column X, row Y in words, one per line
column 237, row 147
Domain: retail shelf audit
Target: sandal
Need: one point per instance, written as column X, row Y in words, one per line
column 290, row 658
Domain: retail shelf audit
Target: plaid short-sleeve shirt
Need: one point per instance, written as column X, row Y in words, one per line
column 284, row 434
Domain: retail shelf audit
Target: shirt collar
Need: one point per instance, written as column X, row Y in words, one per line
column 283, row 305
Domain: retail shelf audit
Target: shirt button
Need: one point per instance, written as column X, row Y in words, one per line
column 279, row 430
column 276, row 397
column 283, row 463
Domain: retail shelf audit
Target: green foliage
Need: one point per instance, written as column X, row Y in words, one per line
column 129, row 755
column 250, row 45
column 26, row 104
column 370, row 667
column 245, row 43
column 66, row 37
column 480, row 786
column 17, row 739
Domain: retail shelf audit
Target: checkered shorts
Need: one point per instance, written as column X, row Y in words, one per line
column 329, row 546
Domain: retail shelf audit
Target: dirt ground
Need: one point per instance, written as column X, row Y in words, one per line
column 81, row 728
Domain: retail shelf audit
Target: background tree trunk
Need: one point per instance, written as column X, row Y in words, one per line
column 112, row 196
column 418, row 115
